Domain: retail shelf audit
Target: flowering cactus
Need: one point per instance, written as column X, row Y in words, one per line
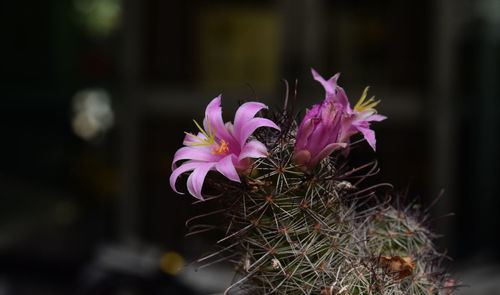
column 297, row 219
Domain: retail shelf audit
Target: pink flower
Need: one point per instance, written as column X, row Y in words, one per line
column 221, row 147
column 354, row 120
column 328, row 126
column 318, row 133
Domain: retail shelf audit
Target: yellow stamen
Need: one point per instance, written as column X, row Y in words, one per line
column 220, row 149
column 368, row 105
column 209, row 138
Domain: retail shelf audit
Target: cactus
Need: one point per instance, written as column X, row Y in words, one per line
column 316, row 230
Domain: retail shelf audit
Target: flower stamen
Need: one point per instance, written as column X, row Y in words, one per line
column 368, row 105
column 207, row 141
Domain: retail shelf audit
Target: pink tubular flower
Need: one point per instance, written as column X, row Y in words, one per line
column 354, row 120
column 318, row 134
column 221, row 147
column 328, row 126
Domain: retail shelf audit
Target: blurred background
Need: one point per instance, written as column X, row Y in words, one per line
column 96, row 94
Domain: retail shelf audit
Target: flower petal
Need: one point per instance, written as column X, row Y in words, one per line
column 197, row 177
column 230, row 128
column 190, row 138
column 307, row 126
column 333, row 91
column 326, row 152
column 328, row 85
column 253, row 149
column 376, row 118
column 226, row 168
column 369, row 136
column 214, row 114
column 194, row 153
column 305, row 130
column 251, row 125
column 246, row 112
column 190, row 165
column 342, row 99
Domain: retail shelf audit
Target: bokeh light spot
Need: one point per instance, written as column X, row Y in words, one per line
column 171, row 262
column 92, row 113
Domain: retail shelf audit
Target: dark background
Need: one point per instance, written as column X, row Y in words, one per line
column 84, row 187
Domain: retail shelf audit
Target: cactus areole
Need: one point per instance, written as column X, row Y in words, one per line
column 296, row 218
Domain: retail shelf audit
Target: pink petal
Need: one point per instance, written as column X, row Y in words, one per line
column 326, row 152
column 246, row 112
column 328, row 85
column 194, row 153
column 234, row 146
column 368, row 115
column 305, row 130
column 214, row 114
column 369, row 136
column 342, row 99
column 307, row 126
column 190, row 165
column 253, row 149
column 347, row 128
column 376, row 118
column 189, row 138
column 230, row 128
column 197, row 177
column 333, row 91
column 251, row 125
column 226, row 168
column 193, row 139
column 318, row 139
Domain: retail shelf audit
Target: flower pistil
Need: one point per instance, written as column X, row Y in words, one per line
column 220, row 149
